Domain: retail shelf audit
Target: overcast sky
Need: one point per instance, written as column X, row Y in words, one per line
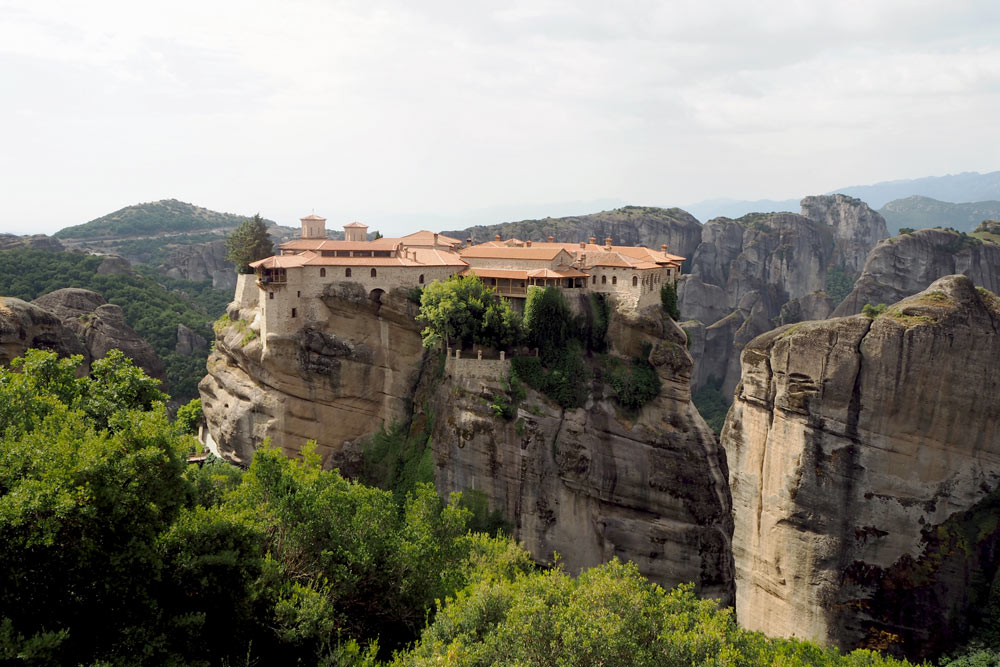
column 384, row 111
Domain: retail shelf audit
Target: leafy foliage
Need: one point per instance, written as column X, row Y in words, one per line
column 463, row 310
column 548, row 322
column 668, row 297
column 565, row 380
column 838, row 284
column 635, row 383
column 609, row 615
column 873, row 311
column 711, row 403
column 189, row 417
column 248, row 243
column 153, row 310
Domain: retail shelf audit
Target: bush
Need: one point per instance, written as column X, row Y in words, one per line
column 873, row 311
column 565, row 380
column 634, row 383
column 548, row 322
column 838, row 284
column 668, row 297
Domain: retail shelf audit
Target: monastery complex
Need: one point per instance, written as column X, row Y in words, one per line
column 290, row 285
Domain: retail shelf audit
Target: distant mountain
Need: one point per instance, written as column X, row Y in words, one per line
column 919, row 212
column 167, row 216
column 735, row 208
column 968, row 186
column 630, row 225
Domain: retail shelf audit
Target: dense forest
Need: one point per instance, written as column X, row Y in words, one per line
column 114, row 550
column 154, row 305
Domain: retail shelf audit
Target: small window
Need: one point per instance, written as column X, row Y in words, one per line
column 635, row 281
column 604, row 280
column 614, row 280
column 421, row 279
column 270, row 295
column 298, row 293
column 593, row 280
column 347, row 273
column 293, row 312
column 374, row 273
column 322, row 273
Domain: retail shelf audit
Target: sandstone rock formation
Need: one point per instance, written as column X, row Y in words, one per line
column 334, row 381
column 751, row 274
column 25, row 325
column 864, row 464
column 200, row 262
column 101, row 327
column 592, row 483
column 113, row 265
column 189, row 340
column 857, row 228
column 908, row 263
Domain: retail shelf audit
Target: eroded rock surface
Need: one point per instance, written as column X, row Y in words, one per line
column 908, row 263
column 101, row 326
column 25, row 325
column 593, row 483
column 201, row 262
column 334, row 381
column 864, row 460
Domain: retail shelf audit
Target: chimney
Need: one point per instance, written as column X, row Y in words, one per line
column 527, row 243
column 468, row 242
column 663, row 248
column 435, row 238
column 593, row 240
column 583, row 246
column 496, row 238
column 551, row 239
column 607, row 242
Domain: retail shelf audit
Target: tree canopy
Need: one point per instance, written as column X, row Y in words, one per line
column 248, row 243
column 462, row 310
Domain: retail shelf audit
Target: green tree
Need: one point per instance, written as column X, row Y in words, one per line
column 189, row 417
column 668, row 297
column 548, row 322
column 248, row 243
column 463, row 310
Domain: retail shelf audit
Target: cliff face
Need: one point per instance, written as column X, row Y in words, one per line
column 333, row 381
column 751, row 274
column 864, row 461
column 25, row 325
column 908, row 263
column 200, row 262
column 592, row 483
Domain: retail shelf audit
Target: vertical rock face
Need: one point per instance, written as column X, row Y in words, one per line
column 592, row 483
column 857, row 228
column 751, row 274
column 864, row 460
column 200, row 262
column 908, row 263
column 333, row 381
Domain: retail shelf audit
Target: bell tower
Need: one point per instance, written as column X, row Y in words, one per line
column 313, row 227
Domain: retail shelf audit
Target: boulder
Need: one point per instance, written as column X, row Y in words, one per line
column 26, row 325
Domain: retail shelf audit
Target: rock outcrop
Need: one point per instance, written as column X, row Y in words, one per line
column 202, row 262
column 31, row 242
column 751, row 274
column 25, row 325
column 908, row 263
column 189, row 340
column 593, row 483
column 101, row 326
column 630, row 225
column 337, row 379
column 857, row 228
column 864, row 460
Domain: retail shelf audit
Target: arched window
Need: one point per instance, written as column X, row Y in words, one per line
column 347, row 273
column 322, row 273
column 593, row 280
column 614, row 280
column 604, row 280
column 373, row 273
column 635, row 281
column 421, row 279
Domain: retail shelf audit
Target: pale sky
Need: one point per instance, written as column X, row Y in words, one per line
column 400, row 113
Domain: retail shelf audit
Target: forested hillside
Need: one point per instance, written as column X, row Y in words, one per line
column 153, row 306
column 924, row 212
column 159, row 217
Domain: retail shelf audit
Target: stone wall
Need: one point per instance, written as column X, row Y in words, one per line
column 472, row 367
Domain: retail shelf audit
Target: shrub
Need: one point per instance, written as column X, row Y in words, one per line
column 668, row 297
column 635, row 383
column 873, row 311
